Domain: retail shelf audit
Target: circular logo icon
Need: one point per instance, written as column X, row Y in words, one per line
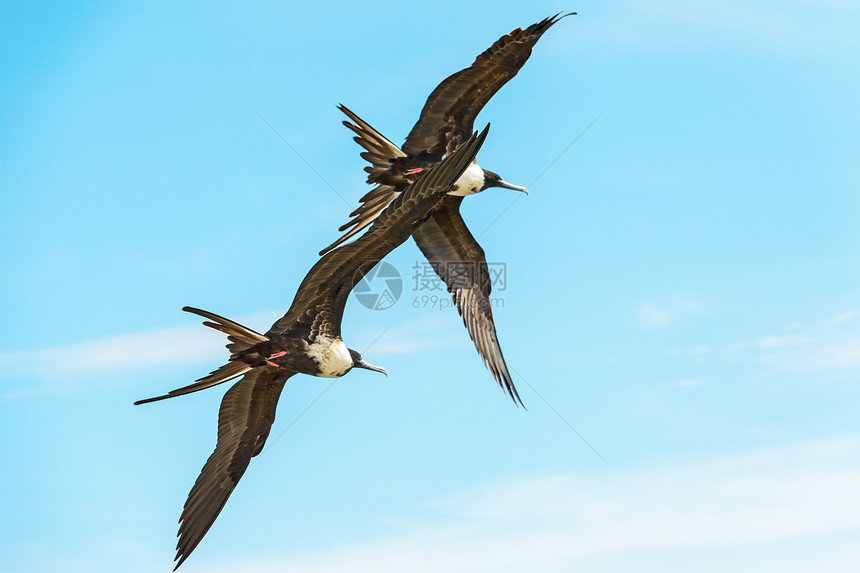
column 380, row 288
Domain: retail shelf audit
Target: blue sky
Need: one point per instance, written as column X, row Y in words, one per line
column 682, row 288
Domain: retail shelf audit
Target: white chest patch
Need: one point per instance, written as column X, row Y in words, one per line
column 469, row 182
column 331, row 355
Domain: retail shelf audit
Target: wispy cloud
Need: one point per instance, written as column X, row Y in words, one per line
column 799, row 347
column 651, row 314
column 845, row 316
column 662, row 518
column 419, row 335
column 691, row 382
column 838, row 355
column 791, row 27
column 830, row 343
column 189, row 344
column 780, row 341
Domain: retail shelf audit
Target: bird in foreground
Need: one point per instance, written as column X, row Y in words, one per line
column 307, row 339
column 446, row 120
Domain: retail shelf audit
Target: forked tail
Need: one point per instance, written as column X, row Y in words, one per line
column 240, row 337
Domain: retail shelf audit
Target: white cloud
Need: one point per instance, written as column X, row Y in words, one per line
column 838, row 355
column 419, row 335
column 780, row 341
column 691, row 382
column 707, row 513
column 193, row 343
column 652, row 316
column 189, row 344
column 829, row 344
column 414, row 344
column 700, row 350
column 791, row 27
column 845, row 316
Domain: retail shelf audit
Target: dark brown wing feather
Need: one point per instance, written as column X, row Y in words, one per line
column 248, row 408
column 319, row 303
column 371, row 206
column 447, row 119
column 244, row 420
column 449, row 114
column 459, row 260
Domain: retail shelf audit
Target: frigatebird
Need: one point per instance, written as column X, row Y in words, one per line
column 307, row 339
column 446, row 120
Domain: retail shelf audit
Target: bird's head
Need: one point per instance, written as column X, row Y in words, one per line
column 492, row 179
column 358, row 362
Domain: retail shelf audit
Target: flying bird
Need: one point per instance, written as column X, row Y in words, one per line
column 307, row 339
column 446, row 120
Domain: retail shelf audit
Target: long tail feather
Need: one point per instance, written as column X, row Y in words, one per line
column 241, row 336
column 224, row 374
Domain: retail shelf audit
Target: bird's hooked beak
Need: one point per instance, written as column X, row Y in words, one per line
column 506, row 185
column 369, row 366
column 492, row 179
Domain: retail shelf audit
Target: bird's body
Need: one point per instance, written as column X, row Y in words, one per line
column 446, row 118
column 331, row 356
column 327, row 357
column 470, row 182
column 403, row 171
column 307, row 340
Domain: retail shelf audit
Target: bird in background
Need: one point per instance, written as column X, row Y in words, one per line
column 307, row 340
column 446, row 120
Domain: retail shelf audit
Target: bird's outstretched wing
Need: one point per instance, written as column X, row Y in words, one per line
column 248, row 408
column 447, row 243
column 449, row 114
column 447, row 119
column 244, row 420
column 459, row 260
column 319, row 303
